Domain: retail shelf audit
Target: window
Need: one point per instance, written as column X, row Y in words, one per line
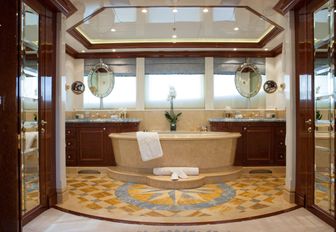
column 225, row 92
column 186, row 75
column 123, row 94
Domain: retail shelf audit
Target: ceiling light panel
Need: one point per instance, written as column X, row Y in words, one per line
column 191, row 24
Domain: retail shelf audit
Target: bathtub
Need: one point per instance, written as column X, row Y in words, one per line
column 205, row 150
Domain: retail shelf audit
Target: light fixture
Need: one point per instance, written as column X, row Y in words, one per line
column 235, row 49
column 205, row 10
column 113, row 50
column 236, row 28
column 174, row 36
column 266, row 49
column 113, row 30
column 83, row 50
column 144, row 10
column 175, row 10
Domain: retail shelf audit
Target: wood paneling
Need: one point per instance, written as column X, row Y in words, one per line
column 260, row 144
column 168, row 54
column 88, row 144
column 64, row 6
column 10, row 209
column 284, row 6
column 260, row 44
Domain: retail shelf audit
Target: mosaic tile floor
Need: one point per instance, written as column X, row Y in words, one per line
column 31, row 192
column 324, row 191
column 250, row 195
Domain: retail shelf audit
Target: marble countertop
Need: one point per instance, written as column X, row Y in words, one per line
column 103, row 120
column 247, row 120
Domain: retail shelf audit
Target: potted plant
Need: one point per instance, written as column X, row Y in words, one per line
column 171, row 116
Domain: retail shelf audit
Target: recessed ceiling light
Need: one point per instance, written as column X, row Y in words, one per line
column 236, row 28
column 235, row 49
column 174, row 36
column 144, row 10
column 113, row 30
column 113, row 50
column 175, row 10
column 205, row 10
column 83, row 50
column 266, row 49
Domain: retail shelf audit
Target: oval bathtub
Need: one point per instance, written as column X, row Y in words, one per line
column 205, row 150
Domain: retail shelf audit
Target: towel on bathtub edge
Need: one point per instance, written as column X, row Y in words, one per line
column 149, row 145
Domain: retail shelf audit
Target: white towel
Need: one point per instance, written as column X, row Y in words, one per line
column 30, row 139
column 167, row 171
column 149, row 145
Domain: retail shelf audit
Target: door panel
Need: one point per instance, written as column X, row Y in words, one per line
column 91, row 145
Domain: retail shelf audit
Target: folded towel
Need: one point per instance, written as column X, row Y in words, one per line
column 167, row 171
column 149, row 145
column 30, row 139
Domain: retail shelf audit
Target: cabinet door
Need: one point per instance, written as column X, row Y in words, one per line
column 258, row 145
column 91, row 146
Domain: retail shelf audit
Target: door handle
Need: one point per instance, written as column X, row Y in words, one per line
column 43, row 123
column 309, row 129
column 308, row 122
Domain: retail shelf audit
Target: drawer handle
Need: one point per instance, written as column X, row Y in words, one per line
column 69, row 144
column 281, row 156
column 281, row 143
column 245, row 128
column 68, row 132
column 69, row 157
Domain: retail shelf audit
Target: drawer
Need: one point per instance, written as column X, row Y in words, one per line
column 70, row 132
column 280, row 131
column 70, row 143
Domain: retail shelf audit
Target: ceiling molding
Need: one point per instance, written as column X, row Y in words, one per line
column 87, row 44
column 64, row 6
column 174, row 54
column 284, row 6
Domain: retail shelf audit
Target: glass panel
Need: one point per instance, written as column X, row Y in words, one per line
column 29, row 95
column 324, row 109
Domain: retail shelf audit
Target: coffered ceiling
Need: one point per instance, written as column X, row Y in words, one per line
column 174, row 25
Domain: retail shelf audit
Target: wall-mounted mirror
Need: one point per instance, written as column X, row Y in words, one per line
column 101, row 80
column 270, row 86
column 248, row 80
column 78, row 87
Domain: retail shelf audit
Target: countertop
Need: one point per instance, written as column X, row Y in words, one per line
column 103, row 120
column 246, row 120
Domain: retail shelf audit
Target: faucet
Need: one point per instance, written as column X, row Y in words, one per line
column 204, row 128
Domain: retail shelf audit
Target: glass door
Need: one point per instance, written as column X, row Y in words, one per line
column 29, row 98
column 325, row 89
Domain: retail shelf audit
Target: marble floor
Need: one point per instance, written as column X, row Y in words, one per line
column 294, row 221
column 251, row 195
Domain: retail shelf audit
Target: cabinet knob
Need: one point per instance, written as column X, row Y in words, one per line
column 68, row 132
column 281, row 156
column 245, row 128
column 69, row 157
column 69, row 144
column 281, row 143
column 104, row 129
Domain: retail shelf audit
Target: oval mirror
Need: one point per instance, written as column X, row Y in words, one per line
column 248, row 80
column 78, row 87
column 270, row 86
column 101, row 80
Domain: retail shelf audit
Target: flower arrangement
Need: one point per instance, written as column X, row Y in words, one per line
column 171, row 116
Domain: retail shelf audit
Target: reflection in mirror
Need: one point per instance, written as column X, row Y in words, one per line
column 29, row 93
column 324, row 183
column 248, row 80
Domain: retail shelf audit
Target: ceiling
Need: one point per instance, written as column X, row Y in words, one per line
column 107, row 26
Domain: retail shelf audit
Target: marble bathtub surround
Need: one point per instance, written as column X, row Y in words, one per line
column 190, row 120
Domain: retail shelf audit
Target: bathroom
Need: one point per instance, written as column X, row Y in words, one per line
column 175, row 115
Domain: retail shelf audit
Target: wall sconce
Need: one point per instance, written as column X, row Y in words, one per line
column 282, row 86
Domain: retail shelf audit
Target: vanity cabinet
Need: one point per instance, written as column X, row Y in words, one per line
column 88, row 144
column 260, row 144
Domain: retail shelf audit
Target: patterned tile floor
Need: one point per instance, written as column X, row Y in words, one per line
column 250, row 195
column 30, row 192
column 324, row 191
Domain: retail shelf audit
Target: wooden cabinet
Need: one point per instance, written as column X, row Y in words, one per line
column 88, row 144
column 261, row 143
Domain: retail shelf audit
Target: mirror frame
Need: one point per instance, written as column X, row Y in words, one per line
column 237, row 76
column 96, row 69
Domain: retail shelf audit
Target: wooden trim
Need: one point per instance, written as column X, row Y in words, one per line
column 284, row 6
column 64, row 6
column 29, row 216
column 73, row 31
column 167, row 54
column 326, row 217
column 177, row 223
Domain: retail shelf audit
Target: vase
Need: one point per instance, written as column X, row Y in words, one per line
column 172, row 126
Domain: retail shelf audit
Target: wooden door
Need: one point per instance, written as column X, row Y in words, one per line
column 258, row 145
column 91, row 146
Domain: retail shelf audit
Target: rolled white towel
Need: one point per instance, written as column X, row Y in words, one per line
column 174, row 176
column 167, row 171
